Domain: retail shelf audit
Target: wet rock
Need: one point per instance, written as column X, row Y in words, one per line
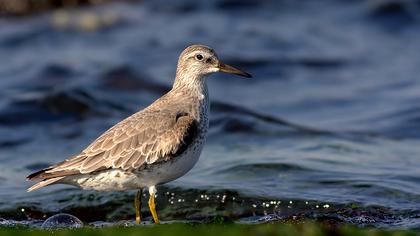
column 62, row 220
column 7, row 223
column 367, row 216
column 269, row 218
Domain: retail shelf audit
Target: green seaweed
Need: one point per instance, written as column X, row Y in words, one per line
column 308, row 229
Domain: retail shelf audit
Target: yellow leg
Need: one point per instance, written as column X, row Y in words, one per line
column 152, row 206
column 137, row 205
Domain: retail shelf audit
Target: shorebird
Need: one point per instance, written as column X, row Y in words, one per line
column 153, row 146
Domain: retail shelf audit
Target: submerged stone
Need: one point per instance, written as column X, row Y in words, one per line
column 62, row 220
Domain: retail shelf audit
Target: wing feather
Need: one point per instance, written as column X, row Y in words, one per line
column 138, row 141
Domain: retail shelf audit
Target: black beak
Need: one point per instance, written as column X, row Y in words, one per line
column 232, row 70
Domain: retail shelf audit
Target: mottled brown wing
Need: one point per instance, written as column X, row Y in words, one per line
column 133, row 143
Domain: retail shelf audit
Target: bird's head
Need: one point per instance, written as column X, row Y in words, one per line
column 198, row 61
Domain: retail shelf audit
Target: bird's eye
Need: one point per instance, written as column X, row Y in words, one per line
column 199, row 57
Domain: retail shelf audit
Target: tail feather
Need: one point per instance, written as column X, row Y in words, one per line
column 37, row 175
column 44, row 183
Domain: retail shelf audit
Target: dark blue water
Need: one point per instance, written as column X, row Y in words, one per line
column 328, row 128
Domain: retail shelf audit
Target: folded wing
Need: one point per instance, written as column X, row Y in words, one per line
column 131, row 144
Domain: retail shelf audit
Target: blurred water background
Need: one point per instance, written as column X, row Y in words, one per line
column 328, row 128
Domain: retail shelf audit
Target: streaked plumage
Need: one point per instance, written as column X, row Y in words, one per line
column 153, row 146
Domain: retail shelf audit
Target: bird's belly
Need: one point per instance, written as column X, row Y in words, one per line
column 106, row 180
column 161, row 173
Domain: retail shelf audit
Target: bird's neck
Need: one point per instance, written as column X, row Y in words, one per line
column 196, row 94
column 195, row 86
